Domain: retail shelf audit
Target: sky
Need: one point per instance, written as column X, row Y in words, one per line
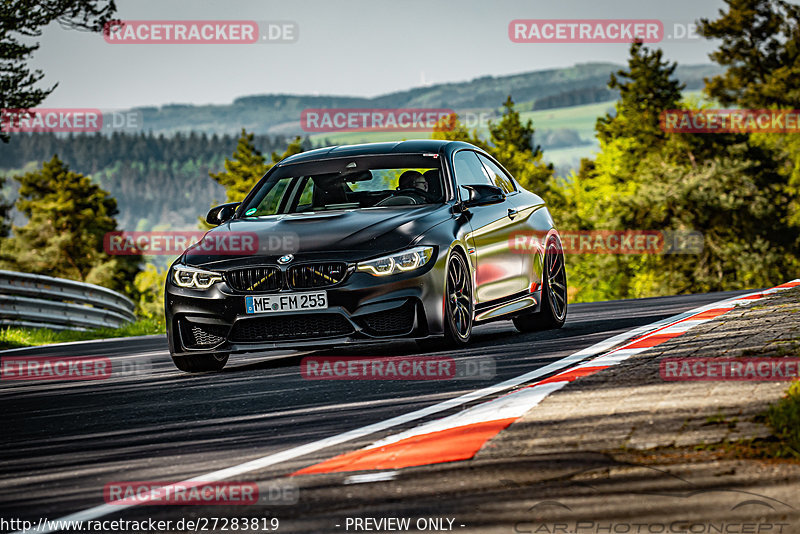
column 345, row 47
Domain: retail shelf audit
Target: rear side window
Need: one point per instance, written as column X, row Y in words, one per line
column 499, row 178
column 469, row 171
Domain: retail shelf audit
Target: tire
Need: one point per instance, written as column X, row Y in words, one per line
column 199, row 363
column 553, row 310
column 459, row 308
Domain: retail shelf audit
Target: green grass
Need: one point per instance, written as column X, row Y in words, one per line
column 11, row 337
column 580, row 118
column 784, row 418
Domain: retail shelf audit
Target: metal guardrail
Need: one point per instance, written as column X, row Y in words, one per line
column 37, row 301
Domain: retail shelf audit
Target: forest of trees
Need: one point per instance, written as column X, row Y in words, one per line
column 158, row 181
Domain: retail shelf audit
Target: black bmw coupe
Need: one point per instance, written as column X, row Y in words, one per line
column 365, row 243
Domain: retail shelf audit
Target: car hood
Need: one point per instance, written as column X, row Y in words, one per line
column 349, row 235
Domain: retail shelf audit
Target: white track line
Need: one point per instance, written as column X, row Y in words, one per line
column 519, row 402
column 302, row 450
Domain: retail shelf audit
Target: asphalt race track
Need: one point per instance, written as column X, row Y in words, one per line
column 64, row 440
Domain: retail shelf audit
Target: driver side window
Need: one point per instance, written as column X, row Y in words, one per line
column 469, row 171
column 499, row 178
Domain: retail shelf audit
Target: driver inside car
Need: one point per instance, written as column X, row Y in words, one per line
column 414, row 183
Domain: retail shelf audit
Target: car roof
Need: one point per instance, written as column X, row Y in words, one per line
column 418, row 146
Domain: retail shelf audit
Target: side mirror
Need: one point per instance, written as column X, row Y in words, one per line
column 483, row 194
column 219, row 214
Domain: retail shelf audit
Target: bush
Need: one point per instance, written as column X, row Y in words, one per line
column 784, row 418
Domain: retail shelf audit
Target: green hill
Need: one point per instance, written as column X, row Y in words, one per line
column 532, row 91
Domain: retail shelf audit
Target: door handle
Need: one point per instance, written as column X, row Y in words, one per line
column 512, row 213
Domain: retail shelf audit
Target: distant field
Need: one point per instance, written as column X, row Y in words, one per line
column 353, row 138
column 579, row 118
column 582, row 119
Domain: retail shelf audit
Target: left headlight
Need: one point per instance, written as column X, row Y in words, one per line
column 194, row 278
column 401, row 262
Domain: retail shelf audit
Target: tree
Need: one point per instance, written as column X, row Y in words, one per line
column 646, row 89
column 510, row 142
column 68, row 217
column 451, row 129
column 724, row 186
column 247, row 166
column 150, row 285
column 5, row 211
column 242, row 170
column 22, row 19
column 760, row 48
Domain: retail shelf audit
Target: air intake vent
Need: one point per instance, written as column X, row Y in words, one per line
column 254, row 279
column 290, row 327
column 396, row 321
column 314, row 275
column 197, row 335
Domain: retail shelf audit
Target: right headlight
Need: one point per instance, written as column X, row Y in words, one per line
column 194, row 278
column 400, row 262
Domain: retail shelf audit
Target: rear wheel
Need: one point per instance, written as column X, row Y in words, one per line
column 198, row 363
column 553, row 309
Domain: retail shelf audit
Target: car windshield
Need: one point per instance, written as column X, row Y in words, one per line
column 348, row 183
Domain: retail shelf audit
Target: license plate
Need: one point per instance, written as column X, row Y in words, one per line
column 317, row 300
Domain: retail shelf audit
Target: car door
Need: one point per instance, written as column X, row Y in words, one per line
column 518, row 211
column 497, row 268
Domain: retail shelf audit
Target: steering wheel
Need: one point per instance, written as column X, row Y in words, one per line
column 414, row 195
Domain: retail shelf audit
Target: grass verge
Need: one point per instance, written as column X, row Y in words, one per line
column 784, row 418
column 11, row 338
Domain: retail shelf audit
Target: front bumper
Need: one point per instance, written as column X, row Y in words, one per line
column 363, row 308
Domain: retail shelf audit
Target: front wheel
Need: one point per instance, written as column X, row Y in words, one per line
column 553, row 309
column 458, row 298
column 458, row 308
column 199, row 363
